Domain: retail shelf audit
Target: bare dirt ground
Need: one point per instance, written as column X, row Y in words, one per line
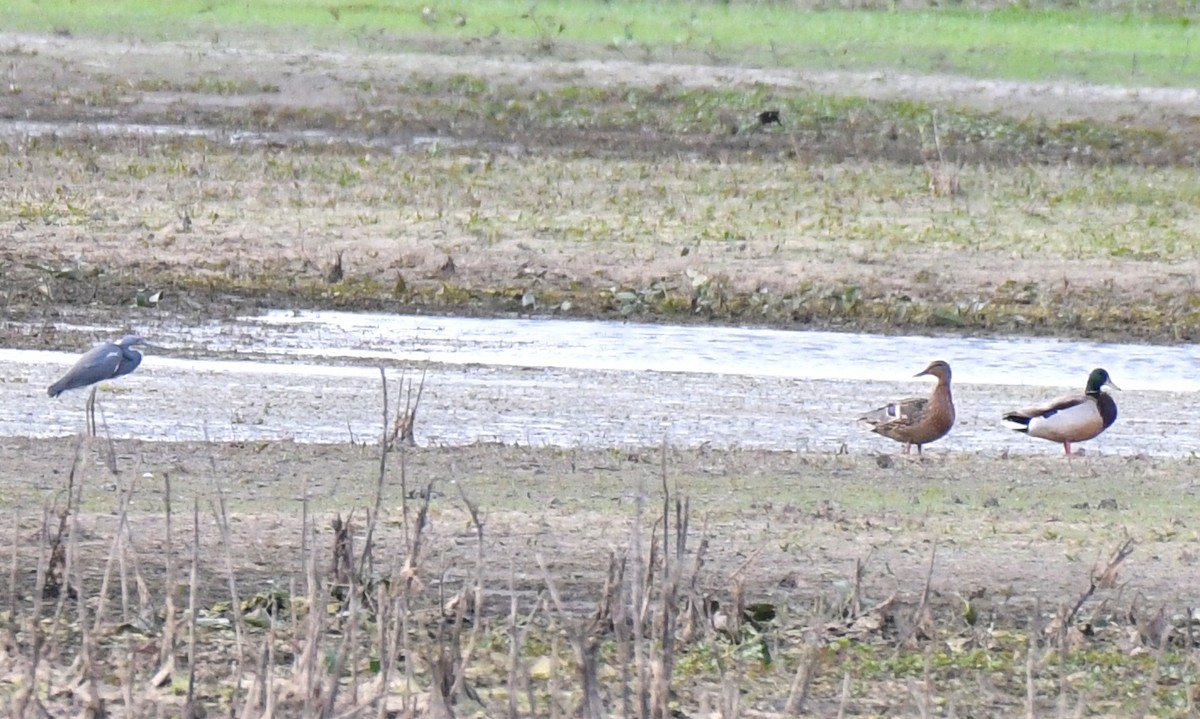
column 793, row 512
column 983, row 586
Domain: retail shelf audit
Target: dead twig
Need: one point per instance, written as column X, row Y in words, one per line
column 1104, row 578
column 586, row 646
column 921, row 621
column 190, row 708
column 403, row 430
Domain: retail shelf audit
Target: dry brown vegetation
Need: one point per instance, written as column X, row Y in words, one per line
column 292, row 580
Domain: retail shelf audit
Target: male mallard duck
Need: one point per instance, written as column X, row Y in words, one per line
column 917, row 420
column 1073, row 418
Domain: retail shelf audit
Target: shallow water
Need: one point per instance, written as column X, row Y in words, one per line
column 252, row 138
column 714, row 350
column 312, row 377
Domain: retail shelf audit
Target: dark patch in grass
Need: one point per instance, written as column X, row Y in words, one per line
column 637, row 123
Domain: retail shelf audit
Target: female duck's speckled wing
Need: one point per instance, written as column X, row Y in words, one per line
column 895, row 417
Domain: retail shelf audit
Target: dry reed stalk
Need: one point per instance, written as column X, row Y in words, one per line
column 918, row 698
column 190, row 709
column 383, row 620
column 1030, row 669
column 516, row 644
column 83, row 668
column 128, row 679
column 85, row 661
column 147, row 613
column 10, row 627
column 366, row 566
column 61, row 554
column 293, row 622
column 240, row 632
column 305, row 549
column 110, row 449
column 115, row 548
column 361, row 580
column 56, row 575
column 638, row 599
column 514, row 649
column 391, row 602
column 404, row 599
column 89, row 412
column 402, row 428
column 860, row 569
column 731, row 697
column 304, row 673
column 618, row 593
column 668, row 599
column 666, row 511
column 123, row 570
column 268, row 674
column 476, row 605
column 27, row 694
column 927, row 680
column 943, row 176
column 345, row 649
column 410, row 681
column 166, row 651
column 1064, row 652
column 586, row 646
column 1146, row 705
column 1106, row 577
column 922, row 621
column 844, row 699
column 806, row 671
column 517, row 669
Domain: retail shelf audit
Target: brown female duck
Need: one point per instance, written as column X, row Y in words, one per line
column 917, row 420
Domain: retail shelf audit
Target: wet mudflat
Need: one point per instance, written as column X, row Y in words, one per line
column 314, row 377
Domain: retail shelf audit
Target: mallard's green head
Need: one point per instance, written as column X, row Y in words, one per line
column 1097, row 379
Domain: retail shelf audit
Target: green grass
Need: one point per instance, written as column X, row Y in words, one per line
column 1119, row 46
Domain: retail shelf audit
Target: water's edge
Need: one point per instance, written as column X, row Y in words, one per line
column 311, row 376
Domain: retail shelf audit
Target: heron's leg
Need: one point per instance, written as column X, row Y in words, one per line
column 91, row 413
